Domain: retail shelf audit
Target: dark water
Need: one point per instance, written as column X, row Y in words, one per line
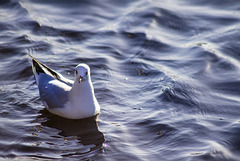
column 166, row 74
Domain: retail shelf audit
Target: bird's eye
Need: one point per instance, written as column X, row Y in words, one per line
column 86, row 73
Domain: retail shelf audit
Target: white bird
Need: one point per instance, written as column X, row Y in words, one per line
column 64, row 97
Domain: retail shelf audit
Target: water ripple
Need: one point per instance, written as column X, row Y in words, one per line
column 164, row 72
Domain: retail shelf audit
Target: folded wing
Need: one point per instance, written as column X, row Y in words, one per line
column 53, row 87
column 39, row 67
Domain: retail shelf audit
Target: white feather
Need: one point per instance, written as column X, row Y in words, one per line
column 74, row 102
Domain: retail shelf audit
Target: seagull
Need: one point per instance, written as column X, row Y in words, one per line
column 64, row 97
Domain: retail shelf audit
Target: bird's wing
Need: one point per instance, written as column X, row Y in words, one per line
column 53, row 93
column 39, row 67
column 53, row 87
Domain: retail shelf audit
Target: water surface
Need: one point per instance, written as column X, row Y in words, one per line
column 166, row 75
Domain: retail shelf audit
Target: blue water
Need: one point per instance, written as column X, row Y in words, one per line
column 166, row 74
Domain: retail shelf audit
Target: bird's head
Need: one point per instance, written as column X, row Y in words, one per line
column 82, row 72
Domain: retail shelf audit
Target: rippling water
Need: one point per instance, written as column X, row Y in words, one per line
column 166, row 74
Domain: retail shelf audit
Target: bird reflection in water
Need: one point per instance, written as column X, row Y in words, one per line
column 85, row 130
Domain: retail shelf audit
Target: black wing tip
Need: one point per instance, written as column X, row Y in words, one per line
column 37, row 67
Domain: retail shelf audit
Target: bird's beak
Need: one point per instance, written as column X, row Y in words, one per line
column 80, row 79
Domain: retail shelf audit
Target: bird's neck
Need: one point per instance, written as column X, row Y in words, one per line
column 83, row 88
